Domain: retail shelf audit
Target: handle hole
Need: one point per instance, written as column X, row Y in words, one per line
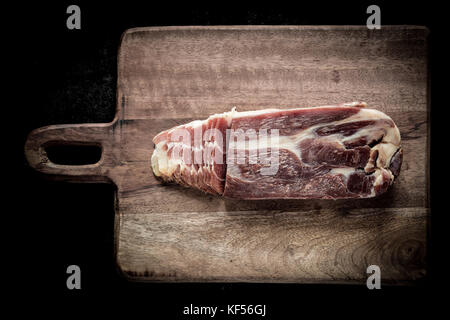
column 73, row 154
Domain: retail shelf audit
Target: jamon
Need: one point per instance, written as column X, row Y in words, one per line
column 329, row 152
column 194, row 154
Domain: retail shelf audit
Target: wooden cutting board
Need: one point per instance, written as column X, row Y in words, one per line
column 171, row 75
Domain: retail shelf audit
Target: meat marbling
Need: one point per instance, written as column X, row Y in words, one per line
column 328, row 152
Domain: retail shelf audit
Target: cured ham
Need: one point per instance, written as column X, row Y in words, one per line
column 194, row 154
column 328, row 152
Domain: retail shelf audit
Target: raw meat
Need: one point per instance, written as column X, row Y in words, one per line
column 194, row 154
column 329, row 152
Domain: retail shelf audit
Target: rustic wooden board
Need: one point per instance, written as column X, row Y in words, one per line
column 171, row 75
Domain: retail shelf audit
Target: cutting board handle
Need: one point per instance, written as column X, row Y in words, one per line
column 73, row 134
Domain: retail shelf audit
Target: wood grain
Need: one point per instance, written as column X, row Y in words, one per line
column 171, row 75
column 307, row 246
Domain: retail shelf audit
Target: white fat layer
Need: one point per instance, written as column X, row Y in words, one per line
column 345, row 171
column 379, row 178
column 267, row 111
column 160, row 160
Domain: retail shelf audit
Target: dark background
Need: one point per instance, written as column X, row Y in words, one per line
column 69, row 76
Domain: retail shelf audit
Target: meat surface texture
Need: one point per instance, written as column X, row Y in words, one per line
column 329, row 152
column 194, row 154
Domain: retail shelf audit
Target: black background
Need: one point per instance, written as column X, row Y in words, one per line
column 69, row 76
